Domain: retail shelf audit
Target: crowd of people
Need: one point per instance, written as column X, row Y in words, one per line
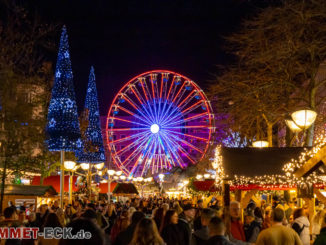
column 159, row 221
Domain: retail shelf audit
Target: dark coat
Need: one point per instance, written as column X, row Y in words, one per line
column 125, row 237
column 184, row 228
column 171, row 235
column 218, row 240
column 321, row 238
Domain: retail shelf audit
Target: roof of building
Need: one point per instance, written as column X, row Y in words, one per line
column 30, row 190
column 252, row 161
column 125, row 188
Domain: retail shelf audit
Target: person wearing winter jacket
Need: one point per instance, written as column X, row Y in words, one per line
column 301, row 225
column 255, row 226
column 321, row 238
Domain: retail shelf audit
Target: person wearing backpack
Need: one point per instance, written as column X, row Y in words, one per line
column 301, row 225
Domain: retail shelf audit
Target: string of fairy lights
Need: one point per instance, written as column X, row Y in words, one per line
column 288, row 180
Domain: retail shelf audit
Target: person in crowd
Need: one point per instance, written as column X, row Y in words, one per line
column 55, row 206
column 23, row 207
column 184, row 223
column 216, row 228
column 278, row 234
column 255, row 226
column 158, row 218
column 10, row 220
column 177, row 207
column 202, row 235
column 236, row 231
column 90, row 214
column 53, row 221
column 301, row 225
column 111, row 216
column 146, row 233
column 97, row 235
column 317, row 221
column 170, row 232
column 124, row 237
column 197, row 220
column 61, row 216
column 267, row 219
column 321, row 238
column 120, row 225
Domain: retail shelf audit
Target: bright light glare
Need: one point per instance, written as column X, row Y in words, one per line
column 155, row 128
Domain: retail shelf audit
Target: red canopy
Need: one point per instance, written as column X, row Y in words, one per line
column 55, row 182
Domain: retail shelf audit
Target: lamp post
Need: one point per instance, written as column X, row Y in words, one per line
column 70, row 166
column 111, row 172
column 142, row 182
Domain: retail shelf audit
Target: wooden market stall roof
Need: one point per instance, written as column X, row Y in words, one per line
column 125, row 188
column 312, row 164
column 30, row 190
column 251, row 161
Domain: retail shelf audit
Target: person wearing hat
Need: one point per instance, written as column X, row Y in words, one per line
column 184, row 223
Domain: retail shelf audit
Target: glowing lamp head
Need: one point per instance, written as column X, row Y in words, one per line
column 260, row 143
column 84, row 166
column 304, row 118
column 155, row 128
column 69, row 165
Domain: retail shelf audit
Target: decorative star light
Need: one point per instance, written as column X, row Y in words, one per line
column 79, row 143
column 89, row 90
column 102, row 156
column 52, row 123
column 66, row 54
column 94, row 134
column 69, row 103
column 58, row 74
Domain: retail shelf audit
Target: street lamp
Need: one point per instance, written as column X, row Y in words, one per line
column 293, row 126
column 304, row 118
column 99, row 166
column 71, row 167
column 118, row 173
column 260, row 143
column 84, row 166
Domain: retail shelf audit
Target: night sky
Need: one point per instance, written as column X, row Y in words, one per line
column 125, row 38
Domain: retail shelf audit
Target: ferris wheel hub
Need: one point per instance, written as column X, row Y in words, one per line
column 155, row 128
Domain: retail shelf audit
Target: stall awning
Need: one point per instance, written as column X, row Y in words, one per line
column 30, row 190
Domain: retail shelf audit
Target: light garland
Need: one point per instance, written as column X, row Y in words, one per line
column 218, row 166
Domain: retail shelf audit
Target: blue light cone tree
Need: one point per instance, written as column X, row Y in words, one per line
column 93, row 149
column 63, row 125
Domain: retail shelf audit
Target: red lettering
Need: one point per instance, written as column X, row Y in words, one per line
column 34, row 231
column 3, row 233
column 26, row 233
column 14, row 233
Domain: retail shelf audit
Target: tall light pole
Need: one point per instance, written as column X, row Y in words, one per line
column 111, row 172
column 70, row 166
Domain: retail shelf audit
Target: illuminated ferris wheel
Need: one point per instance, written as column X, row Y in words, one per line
column 157, row 121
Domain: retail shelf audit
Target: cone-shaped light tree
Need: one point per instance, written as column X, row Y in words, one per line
column 63, row 125
column 93, row 149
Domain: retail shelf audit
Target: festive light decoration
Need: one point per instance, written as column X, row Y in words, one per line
column 163, row 120
column 63, row 125
column 218, row 166
column 93, row 150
